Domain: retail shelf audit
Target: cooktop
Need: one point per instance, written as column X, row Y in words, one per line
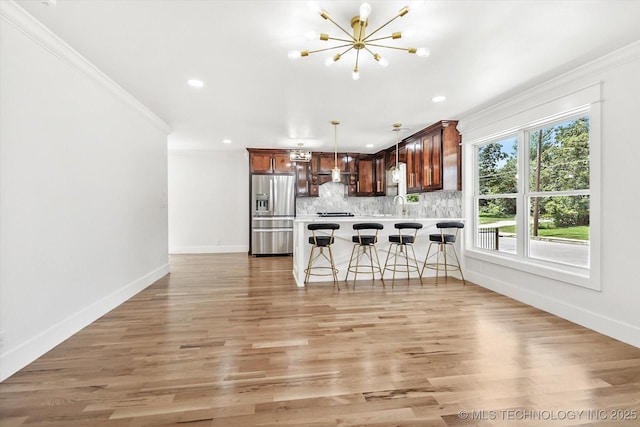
column 331, row 214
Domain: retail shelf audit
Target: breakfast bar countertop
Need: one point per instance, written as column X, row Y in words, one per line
column 343, row 244
column 371, row 217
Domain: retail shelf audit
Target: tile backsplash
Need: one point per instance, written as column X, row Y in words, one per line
column 332, row 197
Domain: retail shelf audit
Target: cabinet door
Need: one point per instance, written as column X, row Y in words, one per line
column 432, row 161
column 414, row 165
column 302, row 179
column 261, row 162
column 364, row 186
column 282, row 163
column 271, row 162
column 379, row 174
column 326, row 162
column 451, row 158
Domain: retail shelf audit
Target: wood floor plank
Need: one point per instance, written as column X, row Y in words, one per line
column 229, row 340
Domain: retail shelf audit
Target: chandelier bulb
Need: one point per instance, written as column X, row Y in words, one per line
column 382, row 61
column 356, row 74
column 422, row 52
column 365, row 11
column 294, row 54
column 314, row 6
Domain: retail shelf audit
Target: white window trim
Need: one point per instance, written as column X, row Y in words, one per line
column 586, row 100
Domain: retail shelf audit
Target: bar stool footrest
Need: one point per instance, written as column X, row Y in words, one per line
column 442, row 266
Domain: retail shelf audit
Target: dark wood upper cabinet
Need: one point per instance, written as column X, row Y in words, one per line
column 303, row 183
column 270, row 161
column 365, row 175
column 414, row 165
column 442, row 158
column 432, row 157
column 432, row 161
column 323, row 163
column 451, row 157
column 380, row 174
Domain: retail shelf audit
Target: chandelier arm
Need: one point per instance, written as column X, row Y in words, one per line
column 382, row 26
column 381, row 38
column 342, row 29
column 369, row 50
column 389, row 47
column 357, row 58
column 331, row 48
column 350, row 48
column 340, row 40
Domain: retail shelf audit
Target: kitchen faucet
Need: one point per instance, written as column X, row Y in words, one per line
column 404, row 208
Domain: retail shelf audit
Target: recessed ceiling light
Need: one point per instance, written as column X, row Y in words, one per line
column 369, row 145
column 438, row 98
column 226, row 141
column 195, row 83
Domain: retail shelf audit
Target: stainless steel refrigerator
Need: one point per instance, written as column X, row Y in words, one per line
column 272, row 214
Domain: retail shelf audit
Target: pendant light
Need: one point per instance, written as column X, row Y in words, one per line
column 395, row 172
column 335, row 172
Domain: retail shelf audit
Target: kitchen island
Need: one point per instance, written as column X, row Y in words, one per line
column 343, row 244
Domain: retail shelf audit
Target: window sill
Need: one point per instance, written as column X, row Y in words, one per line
column 577, row 276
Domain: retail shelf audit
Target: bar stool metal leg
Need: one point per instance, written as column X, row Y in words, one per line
column 364, row 245
column 401, row 243
column 319, row 243
column 443, row 242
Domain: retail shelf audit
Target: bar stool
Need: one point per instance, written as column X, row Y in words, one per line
column 402, row 243
column 365, row 244
column 443, row 241
column 320, row 242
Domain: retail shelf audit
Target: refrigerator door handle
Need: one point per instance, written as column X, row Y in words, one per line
column 272, row 197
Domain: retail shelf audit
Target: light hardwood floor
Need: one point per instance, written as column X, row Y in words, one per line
column 228, row 340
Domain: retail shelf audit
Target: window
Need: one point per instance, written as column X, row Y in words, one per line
column 497, row 195
column 558, row 193
column 532, row 193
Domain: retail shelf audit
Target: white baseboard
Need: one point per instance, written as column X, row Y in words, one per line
column 208, row 249
column 14, row 359
column 613, row 328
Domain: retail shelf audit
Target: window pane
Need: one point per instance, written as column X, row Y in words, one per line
column 559, row 229
column 497, row 225
column 498, row 167
column 559, row 156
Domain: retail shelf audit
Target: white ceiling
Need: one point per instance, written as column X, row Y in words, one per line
column 481, row 52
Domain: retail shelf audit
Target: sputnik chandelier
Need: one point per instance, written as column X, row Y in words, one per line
column 359, row 40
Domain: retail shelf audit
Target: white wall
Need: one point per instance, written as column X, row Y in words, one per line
column 613, row 309
column 208, row 201
column 83, row 212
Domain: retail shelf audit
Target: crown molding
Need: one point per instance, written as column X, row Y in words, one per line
column 13, row 14
column 586, row 75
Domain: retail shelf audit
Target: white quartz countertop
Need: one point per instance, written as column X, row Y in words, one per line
column 373, row 218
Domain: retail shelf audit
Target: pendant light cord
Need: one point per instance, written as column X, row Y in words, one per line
column 335, row 145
